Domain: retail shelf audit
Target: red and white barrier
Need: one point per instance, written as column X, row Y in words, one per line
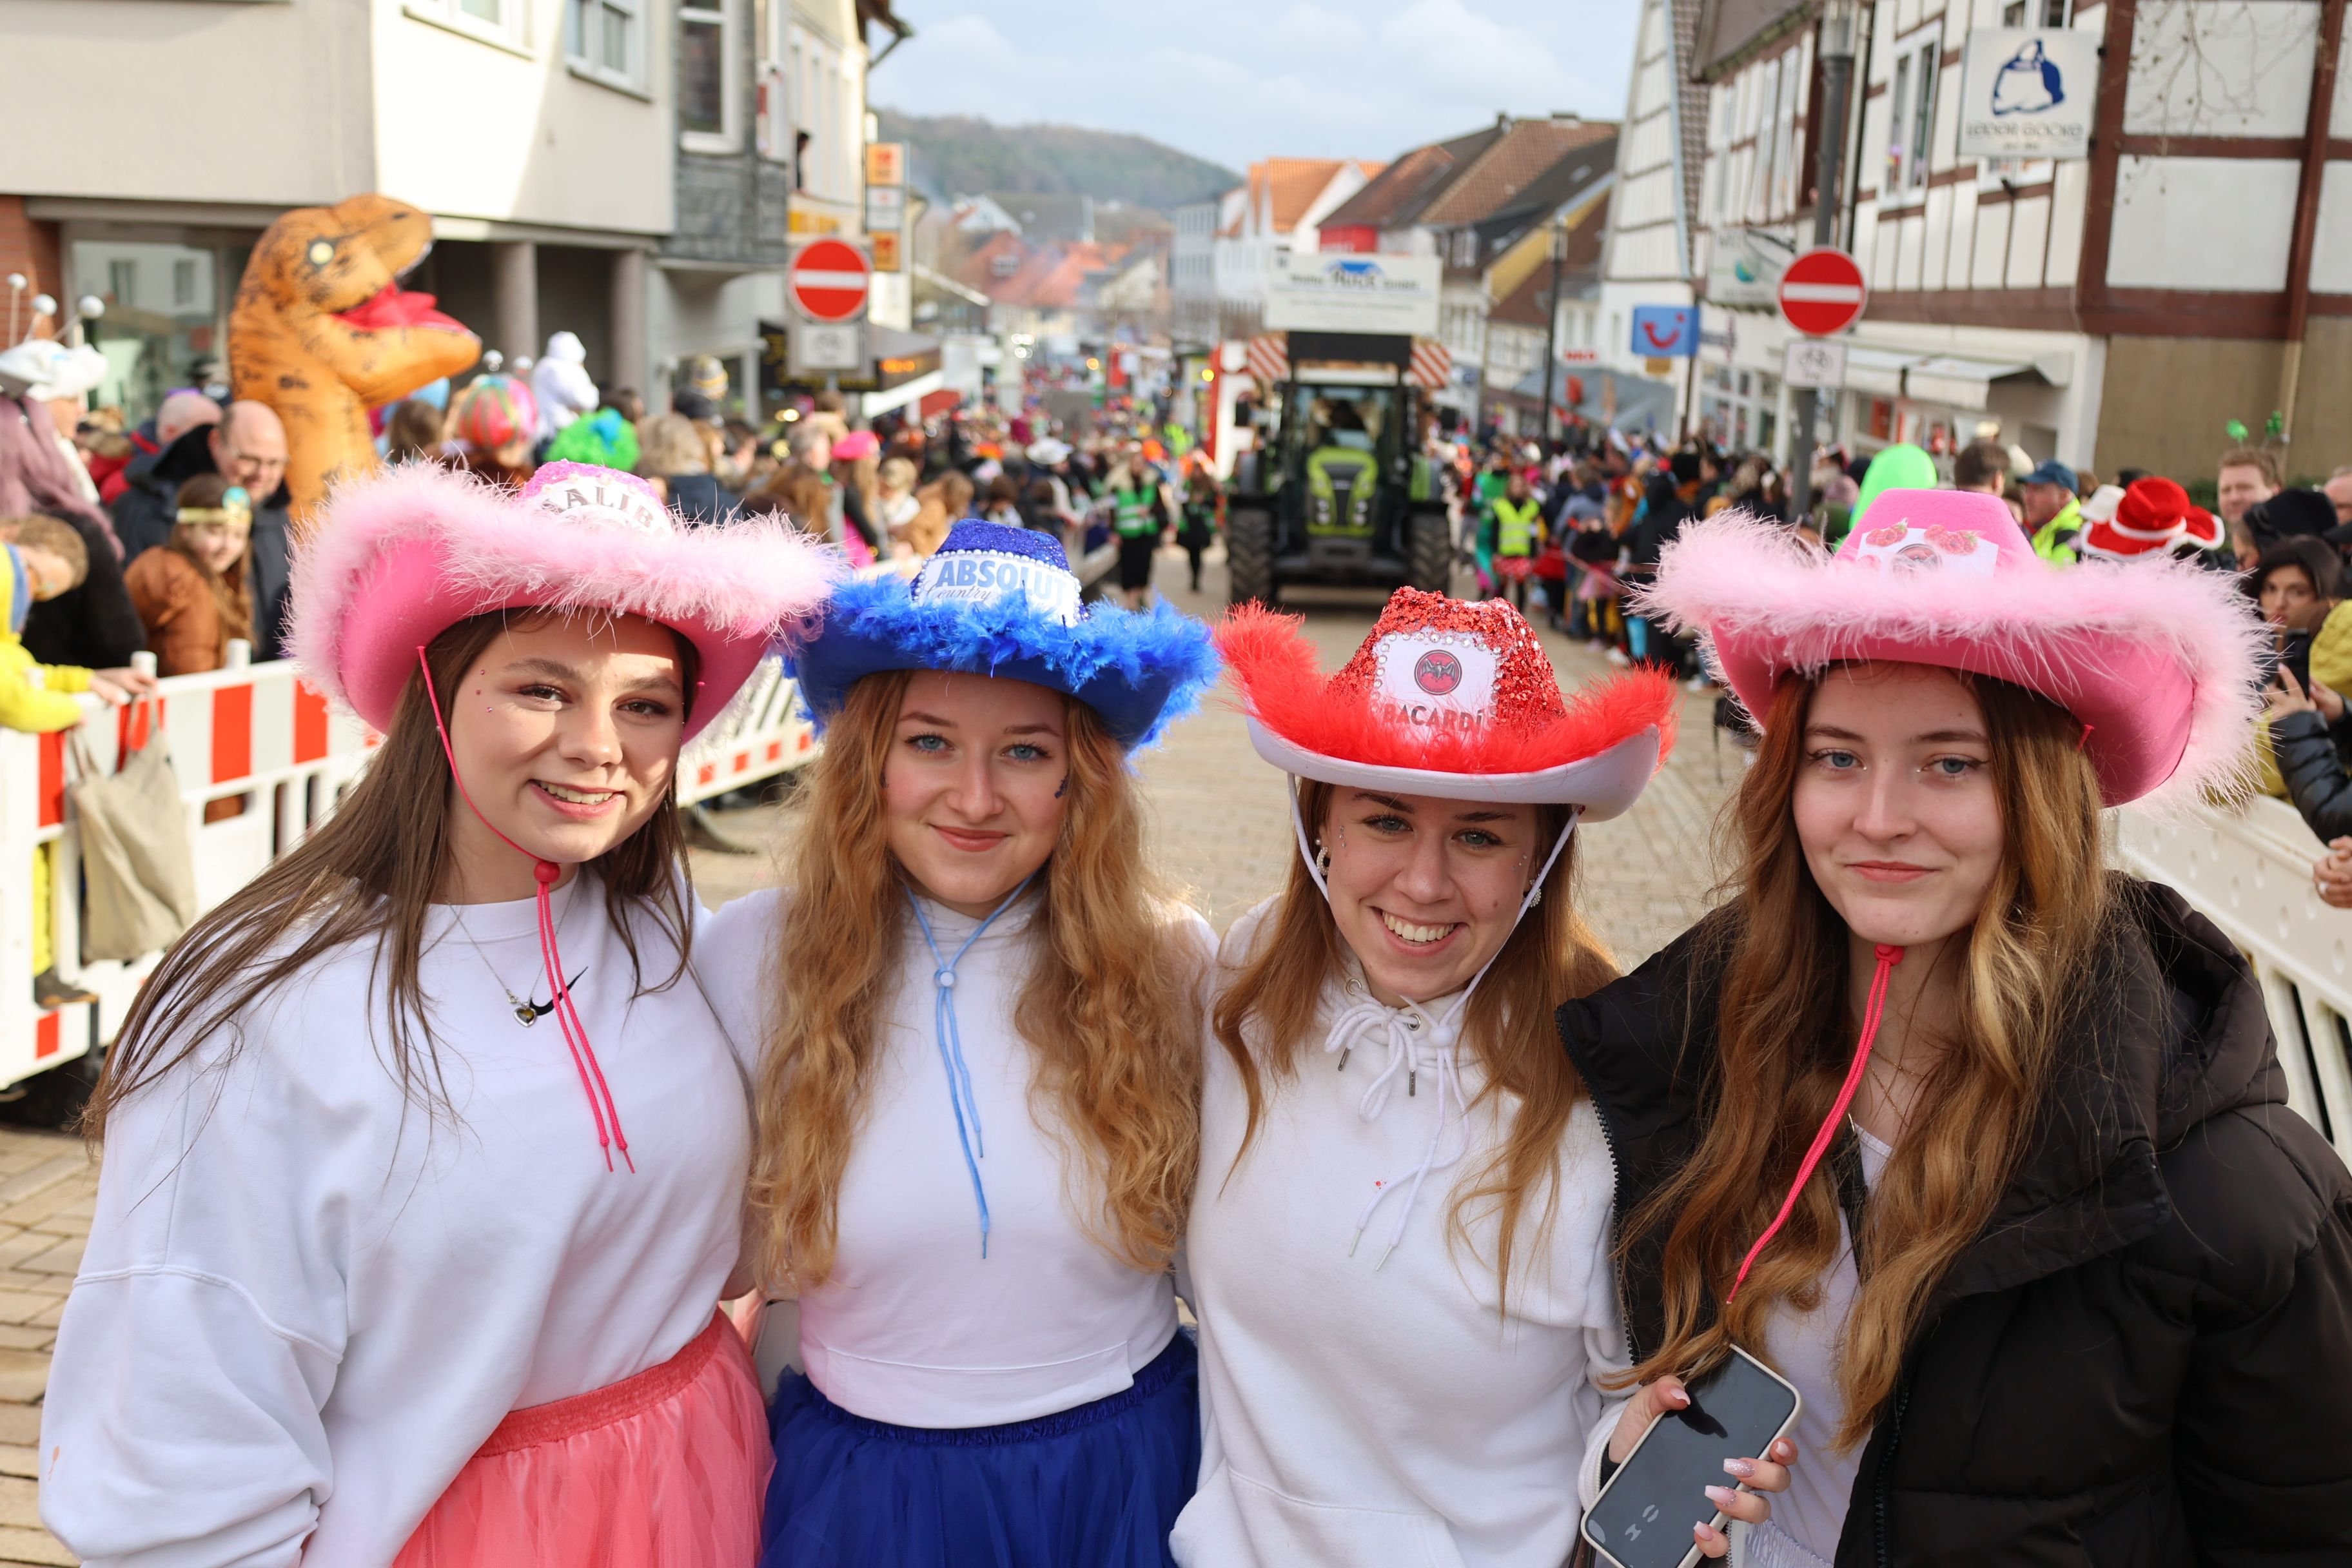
column 254, row 731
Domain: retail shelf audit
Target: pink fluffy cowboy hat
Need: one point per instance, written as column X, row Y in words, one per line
column 2156, row 657
column 1448, row 699
column 402, row 556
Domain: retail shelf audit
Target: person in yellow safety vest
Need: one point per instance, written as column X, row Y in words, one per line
column 2053, row 515
column 1339, row 476
column 1518, row 526
column 1140, row 514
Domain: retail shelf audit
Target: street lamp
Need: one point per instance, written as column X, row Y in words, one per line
column 1551, row 328
column 1836, row 51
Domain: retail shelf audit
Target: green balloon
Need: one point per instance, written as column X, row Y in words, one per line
column 1898, row 467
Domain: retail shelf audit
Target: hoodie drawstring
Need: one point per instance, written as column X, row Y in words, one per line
column 1874, row 1009
column 601, row 1106
column 950, row 1043
column 1405, row 1053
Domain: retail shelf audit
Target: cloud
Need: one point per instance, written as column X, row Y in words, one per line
column 1235, row 80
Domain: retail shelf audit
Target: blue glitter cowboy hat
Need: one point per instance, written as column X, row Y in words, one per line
column 1002, row 602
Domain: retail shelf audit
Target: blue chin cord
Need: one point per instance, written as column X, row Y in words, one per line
column 950, row 1043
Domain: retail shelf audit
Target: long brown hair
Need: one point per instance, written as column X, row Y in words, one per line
column 1264, row 1015
column 370, row 872
column 232, row 598
column 1787, row 1034
column 1108, row 1012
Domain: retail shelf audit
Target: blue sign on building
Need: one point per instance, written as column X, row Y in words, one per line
column 1666, row 331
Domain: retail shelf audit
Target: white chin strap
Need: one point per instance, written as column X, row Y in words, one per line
column 1404, row 1049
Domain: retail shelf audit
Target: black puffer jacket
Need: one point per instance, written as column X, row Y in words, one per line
column 2146, row 1361
column 2310, row 754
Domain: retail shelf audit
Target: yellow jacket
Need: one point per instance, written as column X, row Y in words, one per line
column 34, row 697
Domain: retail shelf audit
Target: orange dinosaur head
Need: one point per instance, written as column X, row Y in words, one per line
column 322, row 331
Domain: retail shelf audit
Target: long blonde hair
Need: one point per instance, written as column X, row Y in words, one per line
column 1786, row 1036
column 1263, row 1018
column 1110, row 1010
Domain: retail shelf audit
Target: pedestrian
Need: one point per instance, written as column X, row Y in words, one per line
column 604, row 439
column 2052, row 516
column 2070, row 1283
column 895, row 506
column 987, row 1320
column 2338, row 489
column 192, row 592
column 368, row 1283
column 2149, row 520
column 2244, row 477
column 1199, row 530
column 938, row 506
column 90, row 624
column 1982, row 465
column 1001, row 503
column 672, row 454
column 1393, row 1150
column 1139, row 513
column 414, row 433
column 494, row 421
column 247, row 448
column 562, row 387
column 1517, row 520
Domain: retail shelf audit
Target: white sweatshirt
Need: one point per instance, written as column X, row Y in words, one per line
column 305, row 1303
column 1374, row 1414
column 914, row 1327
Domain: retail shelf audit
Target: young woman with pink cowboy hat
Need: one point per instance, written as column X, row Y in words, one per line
column 1398, row 1249
column 1982, row 1143
column 424, row 1153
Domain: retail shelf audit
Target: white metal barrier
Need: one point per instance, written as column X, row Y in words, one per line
column 251, row 732
column 2249, row 871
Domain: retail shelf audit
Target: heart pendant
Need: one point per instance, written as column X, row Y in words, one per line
column 525, row 1015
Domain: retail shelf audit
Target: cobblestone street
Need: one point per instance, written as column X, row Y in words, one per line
column 1220, row 826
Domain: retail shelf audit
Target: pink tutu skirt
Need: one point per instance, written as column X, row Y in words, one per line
column 664, row 1470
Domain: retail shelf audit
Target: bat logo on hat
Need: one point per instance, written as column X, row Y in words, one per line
column 1437, row 672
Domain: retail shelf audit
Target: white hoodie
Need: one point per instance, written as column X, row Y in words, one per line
column 1381, row 1412
column 560, row 383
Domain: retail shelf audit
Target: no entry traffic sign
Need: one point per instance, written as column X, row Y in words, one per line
column 828, row 281
column 1822, row 292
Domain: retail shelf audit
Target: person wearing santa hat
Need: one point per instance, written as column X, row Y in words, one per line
column 2148, row 519
column 1398, row 1251
column 1982, row 1143
column 424, row 1154
column 979, row 1101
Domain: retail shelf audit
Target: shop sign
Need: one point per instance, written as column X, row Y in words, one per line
column 1340, row 292
column 2028, row 92
column 1744, row 266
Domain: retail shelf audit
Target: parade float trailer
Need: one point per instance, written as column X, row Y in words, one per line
column 1334, row 489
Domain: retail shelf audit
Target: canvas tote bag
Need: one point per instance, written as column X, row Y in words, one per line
column 138, row 869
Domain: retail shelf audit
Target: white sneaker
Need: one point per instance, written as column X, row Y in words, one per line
column 1697, row 683
column 1617, row 657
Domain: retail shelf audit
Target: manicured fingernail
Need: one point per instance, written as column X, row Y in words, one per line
column 1720, row 1496
column 1704, row 1532
column 1744, row 1469
column 1678, row 1398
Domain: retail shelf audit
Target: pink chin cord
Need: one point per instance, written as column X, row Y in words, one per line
column 1873, row 1010
column 609, row 1135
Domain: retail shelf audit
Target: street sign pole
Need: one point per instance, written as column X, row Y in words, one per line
column 1837, row 74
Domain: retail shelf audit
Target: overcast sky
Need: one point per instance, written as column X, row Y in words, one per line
column 1238, row 79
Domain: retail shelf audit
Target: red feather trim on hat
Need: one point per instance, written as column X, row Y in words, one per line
column 1283, row 688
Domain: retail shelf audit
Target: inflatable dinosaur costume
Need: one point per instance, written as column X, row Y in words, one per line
column 322, row 331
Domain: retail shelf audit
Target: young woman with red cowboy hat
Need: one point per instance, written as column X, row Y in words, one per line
column 1398, row 1249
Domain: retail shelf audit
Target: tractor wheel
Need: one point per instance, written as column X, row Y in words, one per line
column 1249, row 555
column 1430, row 546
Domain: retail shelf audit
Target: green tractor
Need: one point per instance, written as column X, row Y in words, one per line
column 1340, row 494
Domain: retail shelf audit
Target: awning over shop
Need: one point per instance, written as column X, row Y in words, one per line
column 899, row 396
column 1956, row 381
column 1608, row 396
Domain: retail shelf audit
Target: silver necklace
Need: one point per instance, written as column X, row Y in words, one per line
column 526, row 1011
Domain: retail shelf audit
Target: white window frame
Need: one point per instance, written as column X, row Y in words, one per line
column 580, row 53
column 1916, row 88
column 511, row 32
column 729, row 14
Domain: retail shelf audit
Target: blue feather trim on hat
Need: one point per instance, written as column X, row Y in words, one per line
column 1139, row 671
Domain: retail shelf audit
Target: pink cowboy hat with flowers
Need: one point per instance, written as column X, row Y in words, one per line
column 2156, row 657
column 400, row 557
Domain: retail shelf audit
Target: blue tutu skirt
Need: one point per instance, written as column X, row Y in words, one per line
column 1098, row 1485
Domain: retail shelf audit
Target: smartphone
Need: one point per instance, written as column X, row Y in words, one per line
column 2294, row 655
column 1643, row 1518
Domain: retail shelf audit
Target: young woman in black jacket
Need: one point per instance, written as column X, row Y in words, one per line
column 1984, row 1146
